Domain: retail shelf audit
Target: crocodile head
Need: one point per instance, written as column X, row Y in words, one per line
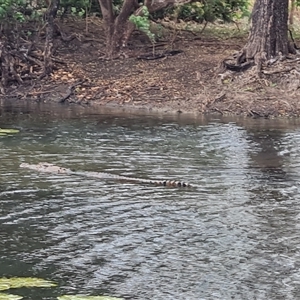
column 45, row 167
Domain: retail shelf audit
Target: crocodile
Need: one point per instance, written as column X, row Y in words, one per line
column 51, row 168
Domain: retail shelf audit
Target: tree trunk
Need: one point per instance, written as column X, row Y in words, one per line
column 115, row 27
column 4, row 65
column 292, row 12
column 269, row 33
column 50, row 15
column 118, row 28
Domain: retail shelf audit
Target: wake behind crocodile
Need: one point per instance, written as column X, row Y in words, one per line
column 51, row 168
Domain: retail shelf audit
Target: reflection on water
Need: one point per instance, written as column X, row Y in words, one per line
column 235, row 236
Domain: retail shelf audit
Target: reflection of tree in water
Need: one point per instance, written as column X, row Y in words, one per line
column 273, row 261
column 267, row 166
column 267, row 158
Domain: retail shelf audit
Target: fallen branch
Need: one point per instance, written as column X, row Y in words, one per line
column 277, row 71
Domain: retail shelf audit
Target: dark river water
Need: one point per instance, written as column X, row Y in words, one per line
column 234, row 235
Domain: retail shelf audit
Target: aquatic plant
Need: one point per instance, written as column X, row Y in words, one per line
column 18, row 282
column 8, row 131
column 83, row 297
column 4, row 296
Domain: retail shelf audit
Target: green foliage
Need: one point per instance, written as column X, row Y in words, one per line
column 11, row 9
column 75, row 7
column 192, row 11
column 117, row 5
column 210, row 10
column 143, row 23
column 22, row 10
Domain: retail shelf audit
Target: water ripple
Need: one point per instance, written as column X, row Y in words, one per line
column 234, row 235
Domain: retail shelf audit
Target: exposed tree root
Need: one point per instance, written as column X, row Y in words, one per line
column 19, row 65
column 227, row 65
column 269, row 85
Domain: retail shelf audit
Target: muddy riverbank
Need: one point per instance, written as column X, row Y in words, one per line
column 184, row 77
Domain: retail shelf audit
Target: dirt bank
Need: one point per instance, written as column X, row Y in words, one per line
column 183, row 76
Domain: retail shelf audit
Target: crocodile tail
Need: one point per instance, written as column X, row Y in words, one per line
column 50, row 168
column 171, row 183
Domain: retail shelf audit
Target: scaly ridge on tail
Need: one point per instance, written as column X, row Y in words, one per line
column 51, row 168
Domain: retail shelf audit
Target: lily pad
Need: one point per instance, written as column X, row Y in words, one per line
column 9, row 130
column 18, row 282
column 83, row 297
column 4, row 286
column 10, row 297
